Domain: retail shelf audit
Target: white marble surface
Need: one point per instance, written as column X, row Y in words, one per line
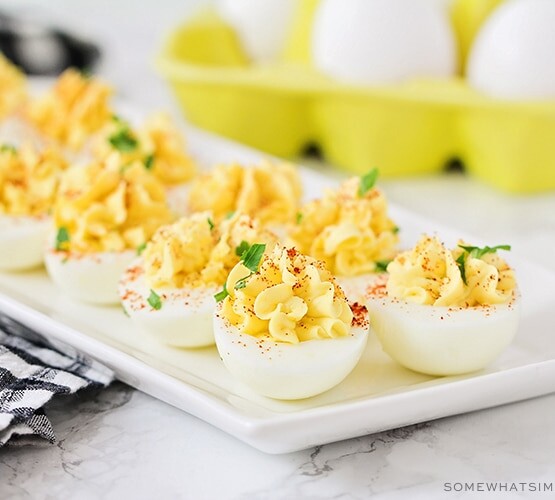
column 122, row 444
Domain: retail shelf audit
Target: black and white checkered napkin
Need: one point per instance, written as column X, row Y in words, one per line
column 32, row 371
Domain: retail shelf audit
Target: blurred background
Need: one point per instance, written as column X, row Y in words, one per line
column 128, row 35
column 166, row 56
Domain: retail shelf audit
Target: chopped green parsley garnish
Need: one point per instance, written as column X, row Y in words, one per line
column 141, row 248
column 221, row 295
column 251, row 255
column 242, row 248
column 62, row 238
column 123, row 140
column 242, row 283
column 477, row 253
column 381, row 265
column 251, row 258
column 149, row 161
column 461, row 259
column 395, row 229
column 210, row 223
column 299, row 217
column 367, row 182
column 154, row 300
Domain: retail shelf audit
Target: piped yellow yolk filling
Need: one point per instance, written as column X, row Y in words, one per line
column 269, row 192
column 105, row 207
column 429, row 274
column 349, row 232
column 158, row 144
column 29, row 180
column 195, row 251
column 291, row 298
column 12, row 85
column 75, row 108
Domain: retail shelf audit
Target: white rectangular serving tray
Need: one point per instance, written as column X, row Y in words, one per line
column 378, row 395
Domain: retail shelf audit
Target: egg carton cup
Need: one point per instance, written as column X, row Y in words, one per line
column 414, row 128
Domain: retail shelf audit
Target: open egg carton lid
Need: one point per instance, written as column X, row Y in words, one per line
column 411, row 128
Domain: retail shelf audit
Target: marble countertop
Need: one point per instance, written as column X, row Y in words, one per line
column 122, row 444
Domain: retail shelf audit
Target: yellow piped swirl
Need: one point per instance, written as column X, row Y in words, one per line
column 269, row 192
column 74, row 109
column 159, row 144
column 195, row 251
column 429, row 274
column 292, row 298
column 106, row 207
column 29, row 180
column 350, row 233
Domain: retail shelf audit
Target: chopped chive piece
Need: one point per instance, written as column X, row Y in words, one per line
column 395, row 230
column 251, row 258
column 62, row 238
column 123, row 141
column 242, row 248
column 154, row 300
column 141, row 248
column 367, row 182
column 221, row 295
column 149, row 162
column 299, row 217
column 210, row 223
column 381, row 265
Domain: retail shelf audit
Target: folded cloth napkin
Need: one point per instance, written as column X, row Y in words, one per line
column 32, row 371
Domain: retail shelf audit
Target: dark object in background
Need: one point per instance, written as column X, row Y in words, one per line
column 44, row 51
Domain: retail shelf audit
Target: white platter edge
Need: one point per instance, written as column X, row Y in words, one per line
column 303, row 429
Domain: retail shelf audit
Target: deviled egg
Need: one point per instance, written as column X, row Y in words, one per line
column 103, row 213
column 283, row 326
column 76, row 108
column 350, row 231
column 270, row 192
column 161, row 148
column 28, row 184
column 169, row 290
column 445, row 312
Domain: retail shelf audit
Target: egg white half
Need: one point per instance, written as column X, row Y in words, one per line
column 22, row 241
column 288, row 371
column 91, row 278
column 184, row 318
column 443, row 340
